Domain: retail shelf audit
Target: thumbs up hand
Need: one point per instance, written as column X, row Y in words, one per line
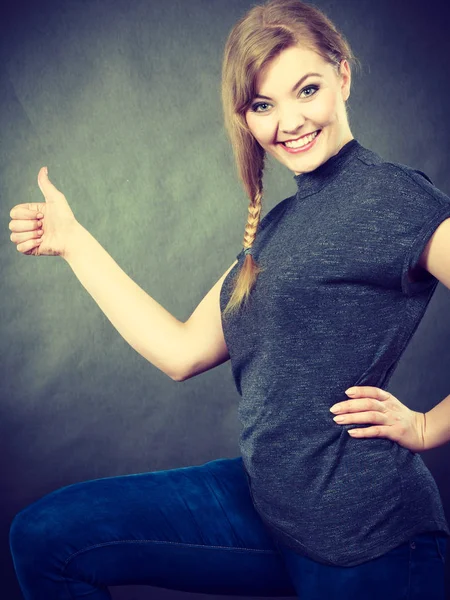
column 47, row 234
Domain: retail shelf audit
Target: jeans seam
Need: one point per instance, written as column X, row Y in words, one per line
column 233, row 548
column 442, row 556
column 72, row 556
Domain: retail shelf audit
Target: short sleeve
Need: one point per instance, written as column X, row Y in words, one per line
column 428, row 207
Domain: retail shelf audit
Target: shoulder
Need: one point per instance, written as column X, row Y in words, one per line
column 392, row 181
column 275, row 213
column 390, row 172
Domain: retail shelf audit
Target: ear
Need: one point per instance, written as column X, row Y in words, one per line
column 346, row 79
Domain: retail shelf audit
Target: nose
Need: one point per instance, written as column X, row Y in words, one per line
column 291, row 120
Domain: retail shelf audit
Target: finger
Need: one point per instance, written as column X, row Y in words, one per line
column 49, row 191
column 362, row 404
column 29, row 225
column 370, row 391
column 18, row 238
column 371, row 432
column 28, row 246
column 353, row 406
column 26, row 211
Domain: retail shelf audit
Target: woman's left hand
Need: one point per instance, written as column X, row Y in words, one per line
column 393, row 419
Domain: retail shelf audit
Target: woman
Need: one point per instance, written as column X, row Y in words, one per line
column 331, row 296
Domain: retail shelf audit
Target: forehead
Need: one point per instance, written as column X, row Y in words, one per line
column 287, row 67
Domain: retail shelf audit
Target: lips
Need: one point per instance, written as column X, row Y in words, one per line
column 299, row 138
column 302, row 146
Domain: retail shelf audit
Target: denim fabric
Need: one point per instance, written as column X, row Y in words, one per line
column 412, row 571
column 192, row 529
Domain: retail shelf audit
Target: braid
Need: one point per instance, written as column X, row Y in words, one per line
column 249, row 271
column 254, row 215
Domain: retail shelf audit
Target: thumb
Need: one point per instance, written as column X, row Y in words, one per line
column 50, row 192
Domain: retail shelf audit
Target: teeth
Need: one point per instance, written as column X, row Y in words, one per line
column 302, row 141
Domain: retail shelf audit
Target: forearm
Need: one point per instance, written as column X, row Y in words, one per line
column 437, row 425
column 141, row 321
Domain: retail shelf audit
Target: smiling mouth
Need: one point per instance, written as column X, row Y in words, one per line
column 301, row 141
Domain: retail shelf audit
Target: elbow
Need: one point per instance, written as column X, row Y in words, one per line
column 184, row 375
column 178, row 377
column 180, row 372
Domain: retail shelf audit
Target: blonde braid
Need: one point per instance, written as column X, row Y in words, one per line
column 248, row 273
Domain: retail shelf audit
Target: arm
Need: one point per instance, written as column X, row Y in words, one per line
column 141, row 321
column 181, row 350
column 437, row 425
column 205, row 343
column 436, row 260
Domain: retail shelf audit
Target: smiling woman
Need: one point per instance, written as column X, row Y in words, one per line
column 269, row 54
column 312, row 508
column 298, row 119
column 327, row 293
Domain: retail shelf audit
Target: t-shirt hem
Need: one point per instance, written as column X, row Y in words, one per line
column 351, row 559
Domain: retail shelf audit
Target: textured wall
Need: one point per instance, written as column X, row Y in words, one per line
column 121, row 100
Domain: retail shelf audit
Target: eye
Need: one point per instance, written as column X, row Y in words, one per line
column 256, row 106
column 260, row 105
column 310, row 87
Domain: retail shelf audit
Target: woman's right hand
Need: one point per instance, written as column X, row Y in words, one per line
column 49, row 234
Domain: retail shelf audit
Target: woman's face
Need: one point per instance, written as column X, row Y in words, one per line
column 287, row 109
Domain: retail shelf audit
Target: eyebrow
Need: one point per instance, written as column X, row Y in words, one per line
column 299, row 82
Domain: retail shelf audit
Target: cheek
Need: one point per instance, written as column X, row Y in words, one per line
column 327, row 110
column 262, row 128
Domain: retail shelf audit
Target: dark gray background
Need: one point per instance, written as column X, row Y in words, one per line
column 121, row 100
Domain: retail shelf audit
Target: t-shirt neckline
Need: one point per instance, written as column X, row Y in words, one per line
column 309, row 183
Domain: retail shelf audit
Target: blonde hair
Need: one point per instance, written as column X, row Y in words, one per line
column 260, row 35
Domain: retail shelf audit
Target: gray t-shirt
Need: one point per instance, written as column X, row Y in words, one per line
column 334, row 308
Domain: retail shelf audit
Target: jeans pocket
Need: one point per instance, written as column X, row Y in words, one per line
column 441, row 544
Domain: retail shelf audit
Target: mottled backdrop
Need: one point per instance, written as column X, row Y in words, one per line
column 121, row 100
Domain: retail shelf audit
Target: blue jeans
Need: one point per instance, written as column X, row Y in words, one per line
column 193, row 529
